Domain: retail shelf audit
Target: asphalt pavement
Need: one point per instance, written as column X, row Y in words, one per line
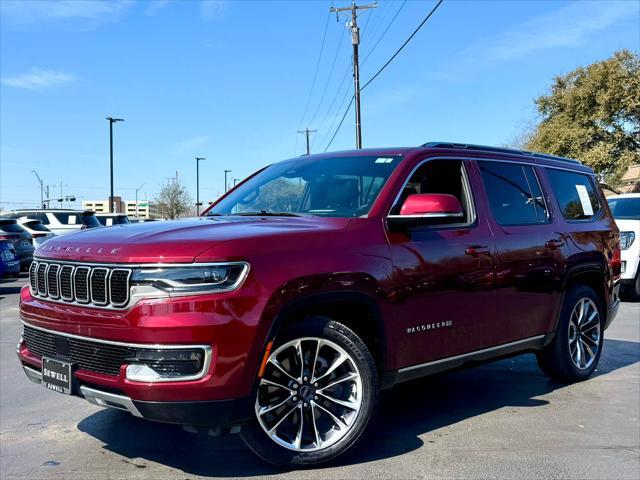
column 501, row 421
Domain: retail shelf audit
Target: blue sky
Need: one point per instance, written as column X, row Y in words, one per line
column 229, row 81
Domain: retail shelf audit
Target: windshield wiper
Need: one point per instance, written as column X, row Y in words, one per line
column 264, row 213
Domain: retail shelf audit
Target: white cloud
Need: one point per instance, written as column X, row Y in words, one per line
column 568, row 27
column 212, row 9
column 91, row 12
column 38, row 79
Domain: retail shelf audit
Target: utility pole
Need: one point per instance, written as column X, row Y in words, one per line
column 355, row 41
column 111, row 122
column 306, row 131
column 48, row 199
column 235, row 181
column 226, row 172
column 41, row 188
column 198, row 160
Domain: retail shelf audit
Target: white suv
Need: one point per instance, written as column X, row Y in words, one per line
column 626, row 210
column 59, row 221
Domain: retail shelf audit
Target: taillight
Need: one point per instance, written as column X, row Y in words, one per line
column 39, row 235
column 616, row 262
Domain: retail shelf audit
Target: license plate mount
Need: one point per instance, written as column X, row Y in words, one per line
column 56, row 375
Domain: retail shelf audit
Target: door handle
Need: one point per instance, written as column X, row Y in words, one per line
column 475, row 250
column 554, row 243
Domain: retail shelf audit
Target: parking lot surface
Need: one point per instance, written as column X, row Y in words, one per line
column 501, row 420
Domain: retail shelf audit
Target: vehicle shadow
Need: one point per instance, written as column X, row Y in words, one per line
column 406, row 413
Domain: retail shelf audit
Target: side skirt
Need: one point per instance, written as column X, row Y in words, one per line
column 466, row 359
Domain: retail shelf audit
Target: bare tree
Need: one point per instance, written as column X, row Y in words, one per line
column 173, row 200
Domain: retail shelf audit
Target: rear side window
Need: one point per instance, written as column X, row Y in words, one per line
column 66, row 218
column 36, row 226
column 12, row 227
column 575, row 193
column 514, row 193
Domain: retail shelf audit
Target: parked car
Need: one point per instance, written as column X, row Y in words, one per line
column 38, row 231
column 59, row 221
column 21, row 239
column 9, row 263
column 626, row 210
column 109, row 219
column 285, row 309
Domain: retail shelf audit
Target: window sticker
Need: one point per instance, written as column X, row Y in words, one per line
column 384, row 160
column 585, row 201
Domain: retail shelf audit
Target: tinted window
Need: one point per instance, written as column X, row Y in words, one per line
column 89, row 220
column 575, row 193
column 625, row 208
column 11, row 227
column 36, row 226
column 67, row 218
column 514, row 193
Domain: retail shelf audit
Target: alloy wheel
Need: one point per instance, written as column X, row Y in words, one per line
column 584, row 333
column 310, row 394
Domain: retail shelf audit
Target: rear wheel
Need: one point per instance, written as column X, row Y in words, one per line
column 575, row 350
column 316, row 396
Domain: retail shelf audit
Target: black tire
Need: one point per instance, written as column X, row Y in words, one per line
column 556, row 359
column 266, row 448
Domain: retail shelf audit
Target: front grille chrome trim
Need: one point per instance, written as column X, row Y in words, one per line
column 77, row 270
column 100, row 303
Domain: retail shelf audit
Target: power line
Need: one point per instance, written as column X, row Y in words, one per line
column 403, row 45
column 315, row 73
column 385, row 31
column 340, row 124
column 339, row 90
column 326, row 85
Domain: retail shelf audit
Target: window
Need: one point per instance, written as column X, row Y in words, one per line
column 330, row 187
column 514, row 193
column 36, row 225
column 575, row 193
column 625, row 208
column 441, row 176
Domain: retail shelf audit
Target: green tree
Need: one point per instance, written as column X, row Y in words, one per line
column 593, row 114
column 173, row 200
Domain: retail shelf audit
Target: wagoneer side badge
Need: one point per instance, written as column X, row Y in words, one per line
column 429, row 326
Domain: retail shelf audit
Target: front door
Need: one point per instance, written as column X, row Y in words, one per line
column 444, row 272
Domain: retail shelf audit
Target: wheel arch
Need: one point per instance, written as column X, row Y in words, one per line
column 592, row 274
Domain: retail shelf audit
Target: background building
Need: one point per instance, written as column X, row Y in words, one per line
column 145, row 209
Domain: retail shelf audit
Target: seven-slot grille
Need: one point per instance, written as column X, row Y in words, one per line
column 84, row 284
column 92, row 356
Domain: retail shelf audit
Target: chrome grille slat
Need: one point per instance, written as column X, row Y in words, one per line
column 41, row 276
column 53, row 288
column 96, row 286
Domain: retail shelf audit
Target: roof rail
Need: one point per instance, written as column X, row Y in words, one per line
column 485, row 148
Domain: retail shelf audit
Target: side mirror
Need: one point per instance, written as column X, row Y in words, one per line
column 424, row 208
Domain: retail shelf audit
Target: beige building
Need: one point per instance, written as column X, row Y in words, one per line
column 145, row 209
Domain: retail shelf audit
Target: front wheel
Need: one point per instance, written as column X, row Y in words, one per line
column 316, row 396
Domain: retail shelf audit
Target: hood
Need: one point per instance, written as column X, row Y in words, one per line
column 176, row 241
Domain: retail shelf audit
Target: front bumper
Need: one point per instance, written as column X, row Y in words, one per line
column 213, row 414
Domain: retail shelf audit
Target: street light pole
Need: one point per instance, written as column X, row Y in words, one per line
column 137, row 190
column 41, row 188
column 226, row 172
column 198, row 160
column 111, row 122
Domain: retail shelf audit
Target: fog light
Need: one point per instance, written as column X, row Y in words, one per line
column 165, row 365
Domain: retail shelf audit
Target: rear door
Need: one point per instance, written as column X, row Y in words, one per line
column 530, row 249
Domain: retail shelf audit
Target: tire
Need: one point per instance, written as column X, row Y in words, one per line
column 560, row 359
column 354, row 382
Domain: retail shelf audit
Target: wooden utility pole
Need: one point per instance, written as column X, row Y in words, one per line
column 307, row 132
column 355, row 41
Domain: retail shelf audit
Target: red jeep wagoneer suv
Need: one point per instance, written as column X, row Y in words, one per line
column 283, row 310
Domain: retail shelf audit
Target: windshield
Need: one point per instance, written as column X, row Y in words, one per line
column 329, row 187
column 625, row 208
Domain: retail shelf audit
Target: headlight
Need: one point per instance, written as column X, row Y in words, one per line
column 215, row 277
column 626, row 239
